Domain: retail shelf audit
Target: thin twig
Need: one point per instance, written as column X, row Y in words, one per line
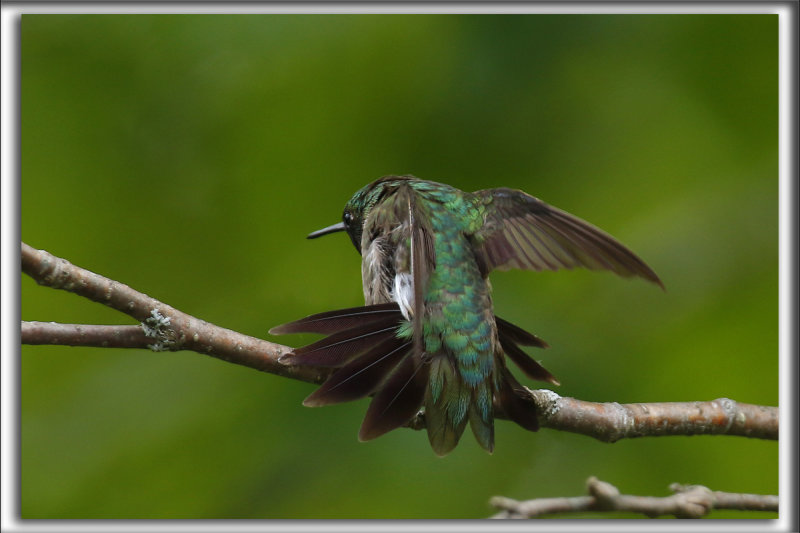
column 85, row 335
column 688, row 501
column 165, row 328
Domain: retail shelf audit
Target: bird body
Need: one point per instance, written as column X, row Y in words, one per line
column 427, row 335
column 459, row 337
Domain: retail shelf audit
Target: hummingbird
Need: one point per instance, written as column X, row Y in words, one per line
column 427, row 338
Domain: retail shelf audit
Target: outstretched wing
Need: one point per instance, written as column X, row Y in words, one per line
column 521, row 231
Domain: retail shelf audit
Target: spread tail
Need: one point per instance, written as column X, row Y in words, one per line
column 370, row 350
column 369, row 357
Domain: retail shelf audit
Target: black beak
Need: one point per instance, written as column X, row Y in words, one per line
column 325, row 231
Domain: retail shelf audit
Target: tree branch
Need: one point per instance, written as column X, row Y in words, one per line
column 165, row 328
column 610, row 422
column 688, row 501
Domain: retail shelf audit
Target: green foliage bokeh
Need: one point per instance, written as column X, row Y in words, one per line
column 188, row 156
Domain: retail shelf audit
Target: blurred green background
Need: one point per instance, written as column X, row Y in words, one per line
column 188, row 156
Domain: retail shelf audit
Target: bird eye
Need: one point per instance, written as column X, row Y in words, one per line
column 347, row 218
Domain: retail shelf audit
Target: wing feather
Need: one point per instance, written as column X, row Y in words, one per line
column 521, row 231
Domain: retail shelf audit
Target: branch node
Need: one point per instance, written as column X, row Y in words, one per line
column 692, row 501
column 546, row 401
column 729, row 407
column 603, row 492
column 157, row 326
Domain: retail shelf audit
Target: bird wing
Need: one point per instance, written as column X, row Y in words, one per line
column 521, row 231
column 402, row 208
column 423, row 261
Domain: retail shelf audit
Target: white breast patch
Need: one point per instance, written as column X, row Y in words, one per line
column 403, row 293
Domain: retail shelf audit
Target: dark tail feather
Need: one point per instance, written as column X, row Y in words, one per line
column 481, row 417
column 442, row 435
column 517, row 334
column 529, row 367
column 511, row 402
column 444, row 429
column 340, row 348
column 362, row 375
column 397, row 400
column 339, row 320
